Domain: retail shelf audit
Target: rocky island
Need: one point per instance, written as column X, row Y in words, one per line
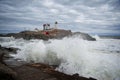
column 49, row 34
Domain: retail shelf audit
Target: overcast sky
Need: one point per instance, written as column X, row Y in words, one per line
column 91, row 16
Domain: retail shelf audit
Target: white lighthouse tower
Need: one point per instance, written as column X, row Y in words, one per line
column 56, row 24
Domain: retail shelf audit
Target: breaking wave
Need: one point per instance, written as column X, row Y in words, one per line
column 99, row 59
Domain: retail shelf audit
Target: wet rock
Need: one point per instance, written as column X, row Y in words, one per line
column 1, row 58
column 8, row 50
column 84, row 36
column 92, row 78
column 58, row 75
column 77, row 77
column 38, row 71
column 26, row 72
column 51, row 79
column 6, row 73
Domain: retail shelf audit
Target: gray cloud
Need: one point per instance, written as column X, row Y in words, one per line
column 91, row 16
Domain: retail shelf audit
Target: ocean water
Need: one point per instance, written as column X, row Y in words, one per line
column 98, row 59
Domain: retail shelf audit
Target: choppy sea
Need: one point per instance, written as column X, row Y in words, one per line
column 99, row 59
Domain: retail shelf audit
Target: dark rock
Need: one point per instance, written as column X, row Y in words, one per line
column 92, row 78
column 51, row 79
column 84, row 36
column 1, row 58
column 6, row 73
column 26, row 72
column 11, row 49
column 76, row 76
column 8, row 50
column 58, row 75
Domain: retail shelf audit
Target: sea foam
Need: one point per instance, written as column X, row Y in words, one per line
column 73, row 55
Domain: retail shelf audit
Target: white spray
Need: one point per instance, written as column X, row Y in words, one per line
column 73, row 55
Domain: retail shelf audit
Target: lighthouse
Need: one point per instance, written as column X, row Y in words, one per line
column 56, row 24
